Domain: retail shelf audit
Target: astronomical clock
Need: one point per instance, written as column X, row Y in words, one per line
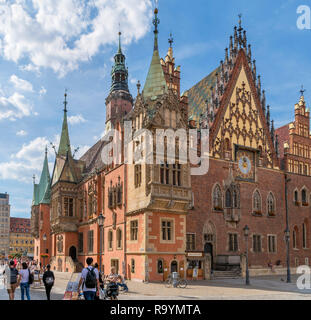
column 246, row 163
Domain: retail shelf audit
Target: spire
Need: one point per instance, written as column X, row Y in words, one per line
column 64, row 144
column 119, row 73
column 155, row 84
column 42, row 191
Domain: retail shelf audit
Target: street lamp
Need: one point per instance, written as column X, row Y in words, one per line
column 101, row 221
column 44, row 238
column 246, row 234
column 287, row 238
column 287, row 231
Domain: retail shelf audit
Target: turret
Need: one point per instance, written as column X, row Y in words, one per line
column 120, row 101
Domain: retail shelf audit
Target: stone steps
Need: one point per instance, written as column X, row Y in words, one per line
column 226, row 274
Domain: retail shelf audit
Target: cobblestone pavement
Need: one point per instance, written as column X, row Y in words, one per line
column 262, row 288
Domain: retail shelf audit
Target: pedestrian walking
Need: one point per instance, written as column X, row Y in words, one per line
column 48, row 280
column 90, row 280
column 101, row 282
column 12, row 280
column 25, row 279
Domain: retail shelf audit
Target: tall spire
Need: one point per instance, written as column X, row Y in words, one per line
column 119, row 73
column 155, row 84
column 64, row 144
column 42, row 191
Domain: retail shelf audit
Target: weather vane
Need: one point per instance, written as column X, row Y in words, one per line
column 171, row 40
column 65, row 102
column 302, row 91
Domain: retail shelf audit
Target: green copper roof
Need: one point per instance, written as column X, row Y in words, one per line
column 119, row 73
column 42, row 191
column 64, row 145
column 198, row 95
column 155, row 84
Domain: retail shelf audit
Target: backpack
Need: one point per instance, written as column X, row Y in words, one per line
column 13, row 276
column 31, row 278
column 49, row 281
column 90, row 280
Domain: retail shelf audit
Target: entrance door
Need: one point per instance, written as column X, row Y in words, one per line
column 174, row 266
column 208, row 248
column 73, row 253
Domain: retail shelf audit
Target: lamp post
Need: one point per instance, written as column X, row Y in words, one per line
column 287, row 231
column 246, row 234
column 101, row 222
column 44, row 238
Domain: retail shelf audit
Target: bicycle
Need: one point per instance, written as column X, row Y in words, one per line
column 181, row 283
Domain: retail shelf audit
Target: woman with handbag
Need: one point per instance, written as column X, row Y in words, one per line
column 48, row 280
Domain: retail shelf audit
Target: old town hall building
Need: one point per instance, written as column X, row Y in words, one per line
column 158, row 217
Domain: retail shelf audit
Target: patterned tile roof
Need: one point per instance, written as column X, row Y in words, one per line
column 199, row 93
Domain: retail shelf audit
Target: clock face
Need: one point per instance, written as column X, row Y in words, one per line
column 245, row 161
column 245, row 165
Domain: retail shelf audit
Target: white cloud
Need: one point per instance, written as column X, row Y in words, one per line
column 21, row 84
column 76, row 119
column 15, row 107
column 21, row 133
column 61, row 34
column 42, row 91
column 29, row 159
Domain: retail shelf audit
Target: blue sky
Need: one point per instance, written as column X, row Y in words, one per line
column 47, row 46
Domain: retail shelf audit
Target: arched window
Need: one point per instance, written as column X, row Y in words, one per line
column 257, row 202
column 304, row 236
column 110, row 239
column 160, row 266
column 295, row 238
column 228, row 199
column 235, row 197
column 296, row 196
column 132, row 266
column 217, row 198
column 119, row 238
column 304, row 197
column 271, row 205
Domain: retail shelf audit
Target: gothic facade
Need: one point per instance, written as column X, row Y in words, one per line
column 158, row 217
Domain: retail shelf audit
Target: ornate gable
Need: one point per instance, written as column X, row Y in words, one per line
column 240, row 120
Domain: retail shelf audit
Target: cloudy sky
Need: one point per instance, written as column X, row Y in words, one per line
column 47, row 46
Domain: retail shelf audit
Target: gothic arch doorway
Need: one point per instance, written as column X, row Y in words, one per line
column 174, row 266
column 208, row 249
column 73, row 253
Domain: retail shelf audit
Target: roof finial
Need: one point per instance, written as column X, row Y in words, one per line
column 240, row 21
column 34, row 179
column 171, row 40
column 138, row 87
column 120, row 33
column 46, row 150
column 65, row 101
column 302, row 91
column 156, row 22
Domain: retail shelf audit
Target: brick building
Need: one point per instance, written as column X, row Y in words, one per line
column 159, row 218
column 40, row 214
column 4, row 224
column 21, row 239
